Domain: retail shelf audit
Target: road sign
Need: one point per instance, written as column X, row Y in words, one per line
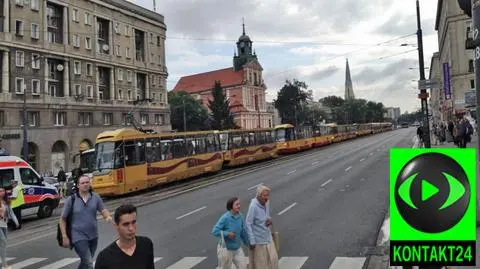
column 427, row 84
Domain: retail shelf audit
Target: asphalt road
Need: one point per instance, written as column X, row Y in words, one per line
column 328, row 204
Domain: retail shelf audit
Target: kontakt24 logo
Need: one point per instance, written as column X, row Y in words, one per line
column 432, row 206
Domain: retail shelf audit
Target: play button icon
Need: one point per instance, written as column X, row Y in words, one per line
column 428, row 190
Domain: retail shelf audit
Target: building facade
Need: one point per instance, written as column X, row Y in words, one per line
column 456, row 62
column 79, row 65
column 437, row 104
column 392, row 113
column 243, row 85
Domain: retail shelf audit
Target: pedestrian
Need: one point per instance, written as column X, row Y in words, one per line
column 62, row 182
column 17, row 201
column 129, row 250
column 84, row 230
column 232, row 226
column 6, row 214
column 263, row 254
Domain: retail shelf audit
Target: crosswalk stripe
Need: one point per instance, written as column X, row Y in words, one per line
column 61, row 263
column 187, row 263
column 291, row 262
column 27, row 262
column 348, row 262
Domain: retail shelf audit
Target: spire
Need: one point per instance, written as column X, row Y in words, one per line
column 243, row 25
column 348, row 83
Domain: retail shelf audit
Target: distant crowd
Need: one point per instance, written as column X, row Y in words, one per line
column 459, row 132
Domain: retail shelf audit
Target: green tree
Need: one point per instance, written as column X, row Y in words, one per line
column 221, row 117
column 332, row 101
column 290, row 101
column 196, row 114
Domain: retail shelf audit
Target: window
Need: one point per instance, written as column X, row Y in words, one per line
column 85, row 118
column 89, row 91
column 35, row 86
column 29, row 177
column 77, row 68
column 35, row 33
column 19, row 28
column 158, row 41
column 35, row 61
column 126, row 119
column 471, row 66
column 19, row 2
column 88, row 43
column 76, row 41
column 20, row 58
column 127, row 30
column 129, row 75
column 75, row 16
column 472, row 84
column 129, row 95
column 120, row 74
column 120, row 95
column 144, row 119
column 88, row 18
column 134, row 152
column 33, row 118
column 158, row 119
column 89, row 69
column 107, row 118
column 52, row 90
column 117, row 50
column 78, row 89
column 19, row 85
column 6, row 177
column 117, row 28
column 59, row 118
column 127, row 52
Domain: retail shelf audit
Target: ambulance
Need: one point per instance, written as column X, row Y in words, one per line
column 40, row 197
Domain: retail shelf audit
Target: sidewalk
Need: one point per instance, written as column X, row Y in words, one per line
column 378, row 258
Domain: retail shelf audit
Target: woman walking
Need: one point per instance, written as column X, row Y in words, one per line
column 232, row 226
column 263, row 253
column 6, row 213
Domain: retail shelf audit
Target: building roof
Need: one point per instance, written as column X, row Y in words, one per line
column 205, row 81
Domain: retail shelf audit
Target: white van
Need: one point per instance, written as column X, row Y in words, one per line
column 40, row 197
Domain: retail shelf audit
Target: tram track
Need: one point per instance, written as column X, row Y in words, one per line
column 47, row 227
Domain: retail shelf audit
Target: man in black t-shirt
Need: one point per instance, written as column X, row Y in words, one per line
column 129, row 251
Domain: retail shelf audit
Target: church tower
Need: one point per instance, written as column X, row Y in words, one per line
column 348, row 84
column 245, row 51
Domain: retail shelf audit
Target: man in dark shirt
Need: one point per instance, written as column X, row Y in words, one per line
column 129, row 251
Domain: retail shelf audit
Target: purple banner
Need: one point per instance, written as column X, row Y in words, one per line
column 446, row 81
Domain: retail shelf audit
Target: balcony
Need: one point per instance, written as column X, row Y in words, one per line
column 469, row 43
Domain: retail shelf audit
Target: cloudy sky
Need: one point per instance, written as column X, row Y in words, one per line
column 306, row 40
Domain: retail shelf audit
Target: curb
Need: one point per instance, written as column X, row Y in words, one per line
column 378, row 256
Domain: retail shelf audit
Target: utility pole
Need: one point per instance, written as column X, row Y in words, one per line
column 423, row 91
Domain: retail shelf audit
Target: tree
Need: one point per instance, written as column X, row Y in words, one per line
column 290, row 101
column 332, row 101
column 221, row 117
column 196, row 114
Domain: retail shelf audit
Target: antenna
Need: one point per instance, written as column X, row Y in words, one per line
column 243, row 25
column 154, row 6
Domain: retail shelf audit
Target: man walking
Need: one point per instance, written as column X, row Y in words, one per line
column 84, row 231
column 17, row 201
column 62, row 182
column 130, row 250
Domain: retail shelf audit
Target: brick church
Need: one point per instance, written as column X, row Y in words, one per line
column 243, row 85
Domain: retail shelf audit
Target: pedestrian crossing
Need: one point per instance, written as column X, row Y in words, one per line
column 183, row 263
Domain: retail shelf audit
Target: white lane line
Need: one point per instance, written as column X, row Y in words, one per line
column 187, row 262
column 254, row 187
column 26, row 263
column 286, row 209
column 192, row 212
column 348, row 168
column 291, row 262
column 156, row 259
column 291, row 172
column 326, row 182
column 347, row 186
column 362, row 159
column 61, row 263
column 342, row 190
column 347, row 262
column 371, row 153
column 362, row 179
column 315, row 163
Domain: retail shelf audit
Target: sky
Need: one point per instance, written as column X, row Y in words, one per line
column 308, row 41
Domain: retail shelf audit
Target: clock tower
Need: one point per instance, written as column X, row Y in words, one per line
column 244, row 51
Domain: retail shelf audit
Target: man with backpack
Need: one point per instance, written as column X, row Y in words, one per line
column 80, row 209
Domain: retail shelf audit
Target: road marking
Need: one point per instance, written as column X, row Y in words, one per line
column 156, row 259
column 362, row 159
column 348, row 168
column 291, row 172
column 186, row 263
column 291, row 262
column 347, row 262
column 315, row 163
column 27, row 262
column 61, row 263
column 347, row 186
column 371, row 153
column 192, row 212
column 326, row 182
column 342, row 190
column 321, row 189
column 254, row 187
column 362, row 179
column 286, row 209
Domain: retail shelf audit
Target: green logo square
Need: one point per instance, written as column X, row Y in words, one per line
column 432, row 197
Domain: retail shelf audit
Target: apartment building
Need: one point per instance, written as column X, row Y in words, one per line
column 79, row 65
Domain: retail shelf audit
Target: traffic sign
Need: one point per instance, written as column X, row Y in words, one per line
column 427, row 84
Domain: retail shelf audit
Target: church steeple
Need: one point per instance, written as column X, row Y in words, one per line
column 244, row 50
column 348, row 84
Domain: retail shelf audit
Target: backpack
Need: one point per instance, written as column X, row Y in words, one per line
column 68, row 225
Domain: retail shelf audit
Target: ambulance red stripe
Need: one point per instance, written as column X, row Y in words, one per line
column 13, row 164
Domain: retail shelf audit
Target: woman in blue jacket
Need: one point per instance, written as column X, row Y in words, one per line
column 232, row 225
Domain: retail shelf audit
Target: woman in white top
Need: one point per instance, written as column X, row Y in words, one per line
column 6, row 213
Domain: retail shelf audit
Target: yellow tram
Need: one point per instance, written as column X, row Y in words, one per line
column 291, row 139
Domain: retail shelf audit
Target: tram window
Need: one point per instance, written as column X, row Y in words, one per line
column 268, row 137
column 236, row 140
column 211, row 143
column 150, row 150
column 166, row 149
column 179, row 150
column 260, row 138
column 252, row 139
column 157, row 150
column 190, row 144
column 224, row 141
column 200, row 147
column 134, row 152
column 281, row 135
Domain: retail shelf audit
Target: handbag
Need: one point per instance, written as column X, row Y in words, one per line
column 276, row 240
column 222, row 252
column 68, row 225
